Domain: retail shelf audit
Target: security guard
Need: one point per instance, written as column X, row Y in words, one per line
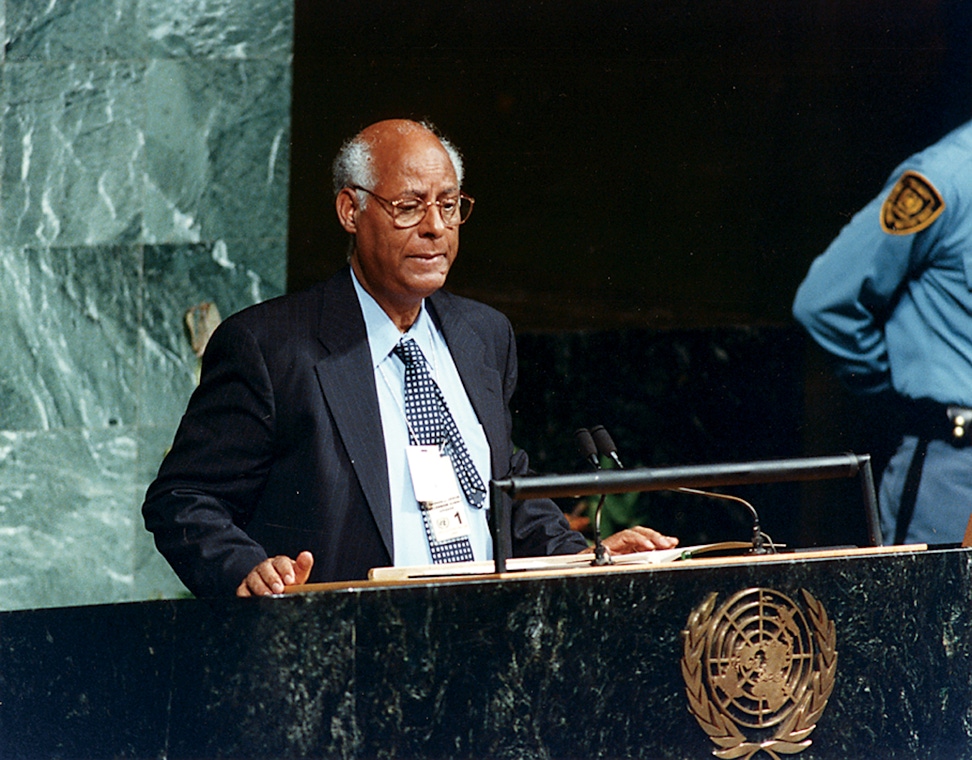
column 891, row 301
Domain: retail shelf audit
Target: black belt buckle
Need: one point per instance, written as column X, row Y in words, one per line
column 960, row 418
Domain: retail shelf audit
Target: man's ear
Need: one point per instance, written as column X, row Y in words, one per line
column 346, row 204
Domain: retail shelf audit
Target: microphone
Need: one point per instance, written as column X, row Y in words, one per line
column 588, row 449
column 605, row 446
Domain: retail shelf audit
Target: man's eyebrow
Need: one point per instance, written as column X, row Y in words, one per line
column 412, row 193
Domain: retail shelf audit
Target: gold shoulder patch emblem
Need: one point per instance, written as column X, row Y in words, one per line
column 912, row 205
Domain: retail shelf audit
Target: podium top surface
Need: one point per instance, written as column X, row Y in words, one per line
column 580, row 565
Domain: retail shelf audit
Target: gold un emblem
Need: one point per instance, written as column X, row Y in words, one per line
column 759, row 671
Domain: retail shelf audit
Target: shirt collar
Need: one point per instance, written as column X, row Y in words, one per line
column 383, row 333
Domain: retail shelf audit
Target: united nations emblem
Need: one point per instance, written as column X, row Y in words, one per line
column 759, row 671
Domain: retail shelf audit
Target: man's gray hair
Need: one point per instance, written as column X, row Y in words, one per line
column 353, row 164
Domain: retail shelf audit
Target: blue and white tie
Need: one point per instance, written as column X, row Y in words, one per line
column 431, row 422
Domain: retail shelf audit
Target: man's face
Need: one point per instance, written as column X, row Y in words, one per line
column 400, row 267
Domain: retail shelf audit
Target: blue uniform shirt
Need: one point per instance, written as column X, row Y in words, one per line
column 895, row 309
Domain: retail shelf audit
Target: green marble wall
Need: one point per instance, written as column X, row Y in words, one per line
column 145, row 158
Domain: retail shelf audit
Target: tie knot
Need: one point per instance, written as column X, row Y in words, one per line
column 409, row 352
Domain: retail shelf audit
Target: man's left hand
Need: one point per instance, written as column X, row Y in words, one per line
column 636, row 539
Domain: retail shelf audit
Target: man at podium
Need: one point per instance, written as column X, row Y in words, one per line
column 357, row 424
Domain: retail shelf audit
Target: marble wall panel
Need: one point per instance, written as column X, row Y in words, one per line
column 219, row 28
column 73, row 30
column 217, row 150
column 76, row 30
column 66, row 522
column 169, row 151
column 144, row 167
column 72, row 153
column 70, row 321
column 232, row 275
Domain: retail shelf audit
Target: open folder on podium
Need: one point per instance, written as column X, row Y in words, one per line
column 556, row 562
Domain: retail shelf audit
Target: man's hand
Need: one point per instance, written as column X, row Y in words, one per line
column 636, row 539
column 272, row 575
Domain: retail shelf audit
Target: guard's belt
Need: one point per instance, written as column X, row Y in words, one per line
column 932, row 420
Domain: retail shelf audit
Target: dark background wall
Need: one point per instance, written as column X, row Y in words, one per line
column 648, row 166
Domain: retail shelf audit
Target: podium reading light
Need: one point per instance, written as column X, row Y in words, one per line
column 845, row 465
column 605, row 446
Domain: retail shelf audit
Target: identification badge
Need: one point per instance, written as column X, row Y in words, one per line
column 437, row 491
column 433, row 478
column 447, row 522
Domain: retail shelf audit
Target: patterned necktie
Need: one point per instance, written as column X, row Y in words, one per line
column 430, row 421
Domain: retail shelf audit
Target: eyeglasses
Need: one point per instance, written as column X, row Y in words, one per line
column 408, row 212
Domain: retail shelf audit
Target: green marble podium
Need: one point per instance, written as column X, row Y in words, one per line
column 588, row 663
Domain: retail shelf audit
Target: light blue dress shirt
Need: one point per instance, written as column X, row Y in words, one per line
column 411, row 543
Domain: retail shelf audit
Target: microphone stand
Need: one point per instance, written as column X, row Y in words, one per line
column 588, row 449
column 606, row 447
column 601, row 554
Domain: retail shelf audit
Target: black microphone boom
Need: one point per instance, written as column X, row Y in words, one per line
column 847, row 465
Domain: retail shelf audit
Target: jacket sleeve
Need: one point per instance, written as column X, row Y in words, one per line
column 210, row 481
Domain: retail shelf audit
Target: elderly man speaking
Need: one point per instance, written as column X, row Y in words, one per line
column 356, row 424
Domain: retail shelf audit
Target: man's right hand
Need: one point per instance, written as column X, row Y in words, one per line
column 272, row 575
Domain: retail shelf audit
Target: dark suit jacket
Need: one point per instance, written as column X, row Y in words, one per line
column 281, row 447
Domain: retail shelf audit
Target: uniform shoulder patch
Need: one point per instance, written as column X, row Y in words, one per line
column 911, row 206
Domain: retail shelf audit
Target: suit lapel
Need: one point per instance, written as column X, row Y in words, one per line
column 482, row 382
column 346, row 376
